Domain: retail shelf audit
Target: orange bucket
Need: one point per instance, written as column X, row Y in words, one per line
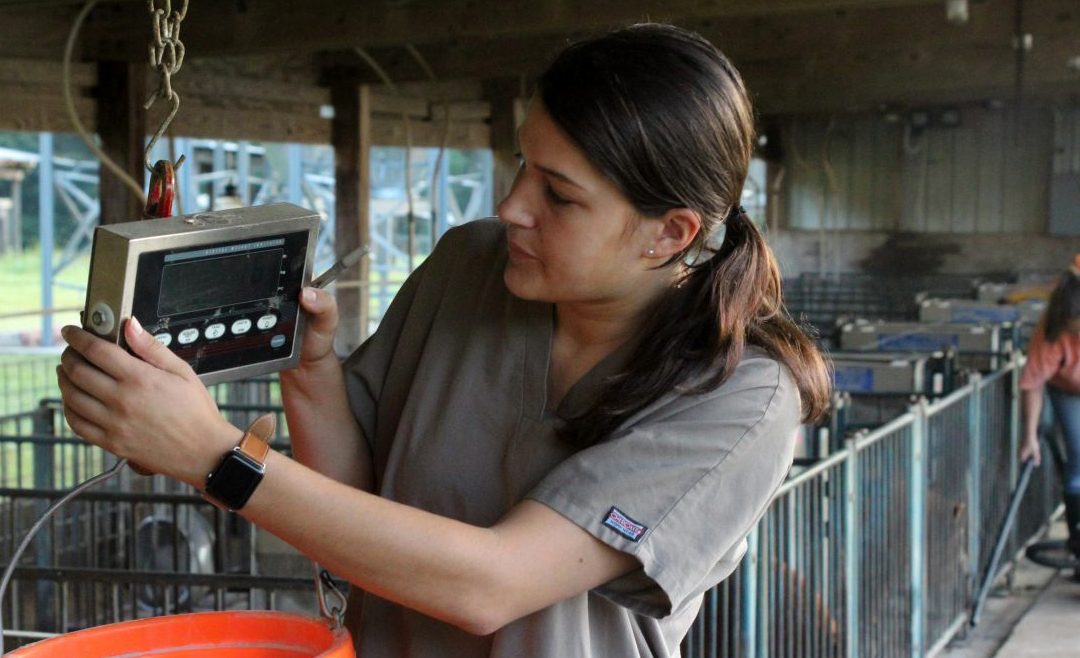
column 246, row 634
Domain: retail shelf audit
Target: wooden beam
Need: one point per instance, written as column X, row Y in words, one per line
column 121, row 125
column 880, row 55
column 831, row 57
column 33, row 33
column 832, row 82
column 351, row 139
column 274, row 26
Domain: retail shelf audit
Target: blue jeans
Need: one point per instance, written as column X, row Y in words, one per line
column 1067, row 414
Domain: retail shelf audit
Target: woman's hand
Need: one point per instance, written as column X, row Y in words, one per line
column 150, row 408
column 1030, row 448
column 322, row 320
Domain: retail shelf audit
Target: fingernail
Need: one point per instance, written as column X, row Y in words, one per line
column 64, row 331
column 135, row 325
column 309, row 295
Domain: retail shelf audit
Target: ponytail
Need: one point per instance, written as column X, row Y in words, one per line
column 622, row 99
column 723, row 304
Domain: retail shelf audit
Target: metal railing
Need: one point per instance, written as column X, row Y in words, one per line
column 872, row 552
column 136, row 546
column 876, row 551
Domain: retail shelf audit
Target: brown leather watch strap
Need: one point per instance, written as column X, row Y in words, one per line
column 254, row 444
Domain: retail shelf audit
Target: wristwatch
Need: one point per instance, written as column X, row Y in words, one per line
column 230, row 485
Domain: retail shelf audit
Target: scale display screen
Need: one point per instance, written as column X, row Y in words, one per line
column 193, row 281
column 220, row 289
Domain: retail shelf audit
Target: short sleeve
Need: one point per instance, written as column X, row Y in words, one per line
column 366, row 368
column 681, row 487
column 1044, row 359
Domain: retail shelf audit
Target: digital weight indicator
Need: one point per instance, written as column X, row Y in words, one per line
column 220, row 289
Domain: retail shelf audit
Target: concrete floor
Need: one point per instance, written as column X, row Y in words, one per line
column 1051, row 628
column 1039, row 615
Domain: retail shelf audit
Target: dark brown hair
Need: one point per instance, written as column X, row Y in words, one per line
column 1064, row 305
column 662, row 113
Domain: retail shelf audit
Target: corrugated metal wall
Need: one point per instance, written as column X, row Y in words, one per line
column 1067, row 141
column 989, row 174
column 1065, row 181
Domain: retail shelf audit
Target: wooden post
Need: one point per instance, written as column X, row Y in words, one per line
column 121, row 124
column 507, row 113
column 350, row 135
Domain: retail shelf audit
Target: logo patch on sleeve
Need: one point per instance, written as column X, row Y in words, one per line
column 624, row 525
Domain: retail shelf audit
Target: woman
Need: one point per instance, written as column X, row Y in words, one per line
column 570, row 418
column 1054, row 364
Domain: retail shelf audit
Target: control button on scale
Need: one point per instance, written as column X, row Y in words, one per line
column 241, row 326
column 216, row 330
column 165, row 338
column 188, row 336
column 266, row 322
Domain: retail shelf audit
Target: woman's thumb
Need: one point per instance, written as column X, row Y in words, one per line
column 149, row 349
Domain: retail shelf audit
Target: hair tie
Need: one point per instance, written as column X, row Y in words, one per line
column 738, row 211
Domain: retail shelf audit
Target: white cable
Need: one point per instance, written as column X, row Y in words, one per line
column 69, row 105
column 97, row 479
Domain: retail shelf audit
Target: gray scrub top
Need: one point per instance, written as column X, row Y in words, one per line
column 450, row 395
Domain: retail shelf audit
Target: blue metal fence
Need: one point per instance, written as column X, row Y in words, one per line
column 876, row 551
column 871, row 552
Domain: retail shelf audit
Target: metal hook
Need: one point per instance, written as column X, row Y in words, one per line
column 324, row 582
column 175, row 98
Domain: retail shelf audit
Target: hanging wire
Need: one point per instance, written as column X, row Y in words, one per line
column 411, row 219
column 73, row 116
column 433, row 190
column 411, row 49
column 29, row 536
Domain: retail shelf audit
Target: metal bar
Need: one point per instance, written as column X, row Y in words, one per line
column 294, row 174
column 243, row 172
column 1002, row 539
column 852, row 537
column 46, row 209
column 917, row 528
column 947, row 636
column 975, row 452
column 748, row 637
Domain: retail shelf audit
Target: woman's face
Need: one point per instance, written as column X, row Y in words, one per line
column 573, row 236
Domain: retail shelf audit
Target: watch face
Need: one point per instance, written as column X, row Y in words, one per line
column 234, row 480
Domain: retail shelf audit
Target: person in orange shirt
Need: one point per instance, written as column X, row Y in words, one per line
column 1054, row 365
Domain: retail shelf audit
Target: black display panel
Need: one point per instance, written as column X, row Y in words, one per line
column 226, row 305
column 201, row 283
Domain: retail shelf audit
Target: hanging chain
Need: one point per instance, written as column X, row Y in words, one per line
column 166, row 56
